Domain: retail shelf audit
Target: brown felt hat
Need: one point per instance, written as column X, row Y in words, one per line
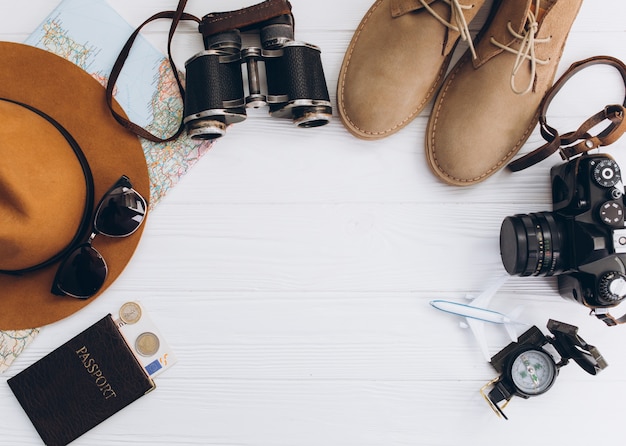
column 51, row 112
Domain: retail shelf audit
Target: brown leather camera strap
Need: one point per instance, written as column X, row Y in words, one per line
column 579, row 141
column 609, row 320
column 212, row 23
column 218, row 22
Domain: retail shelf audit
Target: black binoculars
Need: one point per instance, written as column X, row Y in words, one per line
column 294, row 77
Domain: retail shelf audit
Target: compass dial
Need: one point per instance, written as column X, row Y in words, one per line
column 533, row 372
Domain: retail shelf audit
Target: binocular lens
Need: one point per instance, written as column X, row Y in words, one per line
column 227, row 42
column 309, row 117
column 277, row 32
column 206, row 129
column 530, row 244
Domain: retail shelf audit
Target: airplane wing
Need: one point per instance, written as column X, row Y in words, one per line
column 477, row 326
column 476, row 313
column 478, row 329
column 483, row 299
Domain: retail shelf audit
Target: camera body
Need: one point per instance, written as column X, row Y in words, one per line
column 296, row 87
column 582, row 241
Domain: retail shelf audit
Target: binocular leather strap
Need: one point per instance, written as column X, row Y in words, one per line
column 210, row 24
column 218, row 22
column 176, row 17
column 579, row 141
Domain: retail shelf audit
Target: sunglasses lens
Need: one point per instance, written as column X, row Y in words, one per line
column 82, row 273
column 120, row 212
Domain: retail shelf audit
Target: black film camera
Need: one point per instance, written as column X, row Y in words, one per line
column 583, row 240
column 296, row 87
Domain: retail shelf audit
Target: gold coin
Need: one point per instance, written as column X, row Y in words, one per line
column 147, row 344
column 130, row 312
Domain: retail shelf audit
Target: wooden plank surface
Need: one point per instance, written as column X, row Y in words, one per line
column 291, row 271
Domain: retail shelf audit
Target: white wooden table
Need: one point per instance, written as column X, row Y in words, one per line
column 291, row 271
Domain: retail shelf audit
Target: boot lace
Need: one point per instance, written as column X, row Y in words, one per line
column 526, row 50
column 460, row 23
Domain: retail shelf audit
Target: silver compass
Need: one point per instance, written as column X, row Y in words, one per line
column 533, row 372
column 527, row 370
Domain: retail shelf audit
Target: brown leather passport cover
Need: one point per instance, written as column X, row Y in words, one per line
column 80, row 384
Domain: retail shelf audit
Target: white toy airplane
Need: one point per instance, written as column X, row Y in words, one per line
column 476, row 313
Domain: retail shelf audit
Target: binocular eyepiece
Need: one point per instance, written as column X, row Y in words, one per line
column 294, row 77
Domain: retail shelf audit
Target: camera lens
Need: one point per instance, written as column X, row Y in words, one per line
column 530, row 244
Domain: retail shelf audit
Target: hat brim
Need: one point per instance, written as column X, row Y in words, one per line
column 77, row 101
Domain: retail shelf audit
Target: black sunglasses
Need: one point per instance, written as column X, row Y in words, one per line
column 120, row 213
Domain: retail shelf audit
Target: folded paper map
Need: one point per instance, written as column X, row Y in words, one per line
column 91, row 34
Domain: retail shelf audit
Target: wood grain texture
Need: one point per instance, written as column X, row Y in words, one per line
column 291, row 271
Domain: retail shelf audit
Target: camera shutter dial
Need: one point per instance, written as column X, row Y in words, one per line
column 612, row 214
column 612, row 287
column 606, row 173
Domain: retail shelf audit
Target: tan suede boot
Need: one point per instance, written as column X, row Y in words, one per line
column 397, row 60
column 487, row 107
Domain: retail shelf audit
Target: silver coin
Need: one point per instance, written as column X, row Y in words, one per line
column 147, row 344
column 130, row 312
